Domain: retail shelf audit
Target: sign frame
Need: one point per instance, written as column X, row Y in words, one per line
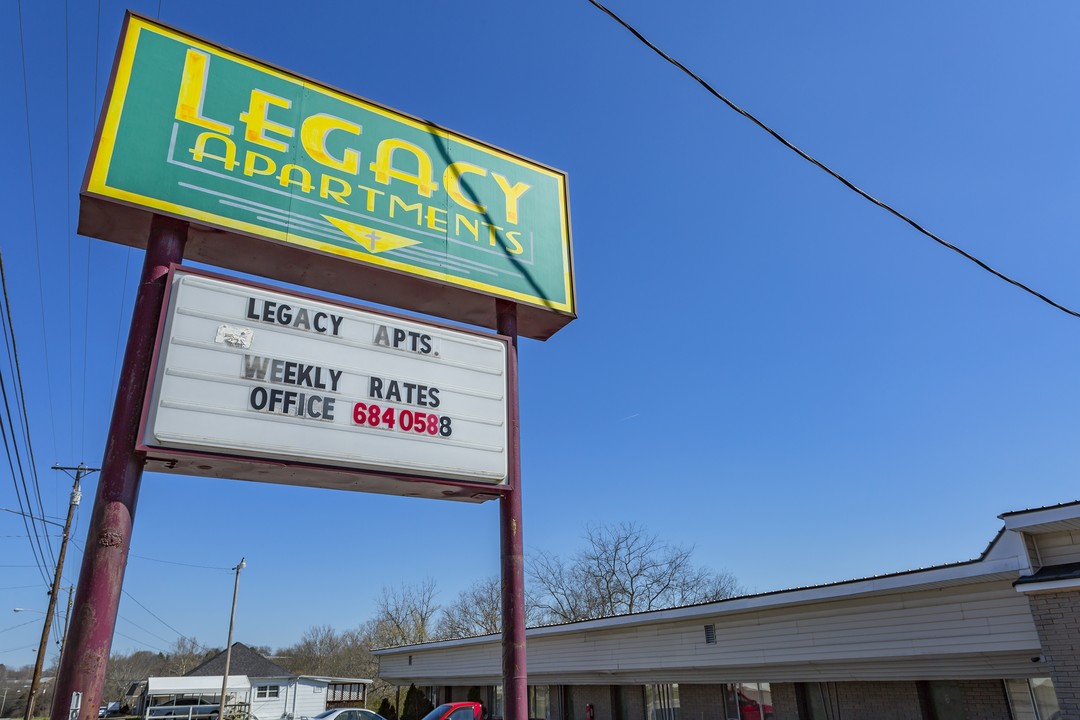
column 227, row 465
column 125, row 218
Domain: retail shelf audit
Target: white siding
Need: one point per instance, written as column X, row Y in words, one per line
column 885, row 637
column 309, row 698
column 1057, row 548
column 270, row 708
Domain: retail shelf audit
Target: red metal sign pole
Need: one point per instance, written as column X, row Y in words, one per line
column 515, row 684
column 82, row 668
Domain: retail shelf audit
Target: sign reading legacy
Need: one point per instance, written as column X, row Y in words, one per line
column 196, row 131
column 245, row 371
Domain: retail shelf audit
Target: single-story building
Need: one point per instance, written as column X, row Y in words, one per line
column 267, row 690
column 995, row 638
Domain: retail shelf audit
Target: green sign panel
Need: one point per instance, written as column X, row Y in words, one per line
column 196, row 131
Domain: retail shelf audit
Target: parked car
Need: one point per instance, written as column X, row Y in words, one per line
column 457, row 711
column 750, row 709
column 185, row 707
column 346, row 714
column 110, row 710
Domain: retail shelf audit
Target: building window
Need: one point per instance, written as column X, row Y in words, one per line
column 263, row 692
column 755, row 701
column 354, row 693
column 1033, row 699
column 946, row 699
column 494, row 705
column 539, row 703
column 662, row 702
column 820, row 701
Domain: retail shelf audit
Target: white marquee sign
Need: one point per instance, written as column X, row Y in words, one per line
column 246, row 375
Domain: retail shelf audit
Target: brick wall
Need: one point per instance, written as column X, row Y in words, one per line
column 631, row 702
column 785, row 703
column 701, row 702
column 599, row 696
column 455, row 693
column 1057, row 618
column 878, row 700
column 985, row 700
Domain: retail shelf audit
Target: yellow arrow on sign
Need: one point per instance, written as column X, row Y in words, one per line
column 372, row 240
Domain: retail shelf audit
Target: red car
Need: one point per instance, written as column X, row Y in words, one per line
column 457, row 711
column 750, row 709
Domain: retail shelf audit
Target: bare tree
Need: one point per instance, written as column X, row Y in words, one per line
column 477, row 611
column 405, row 615
column 314, row 653
column 184, row 655
column 324, row 651
column 123, row 670
column 561, row 591
column 623, row 569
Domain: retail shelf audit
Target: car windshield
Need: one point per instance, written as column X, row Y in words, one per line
column 437, row 713
column 324, row 713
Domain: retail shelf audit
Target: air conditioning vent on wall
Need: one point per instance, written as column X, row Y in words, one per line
column 710, row 634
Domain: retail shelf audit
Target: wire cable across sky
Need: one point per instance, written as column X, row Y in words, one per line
column 814, row 161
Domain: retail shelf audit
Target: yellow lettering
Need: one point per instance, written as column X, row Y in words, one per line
column 512, row 237
column 285, row 178
column 371, row 193
column 313, row 134
column 269, row 166
column 189, row 103
column 473, row 227
column 433, row 222
column 199, row 151
column 452, row 183
column 513, row 194
column 258, row 123
column 493, row 236
column 395, row 200
column 384, row 169
column 340, row 194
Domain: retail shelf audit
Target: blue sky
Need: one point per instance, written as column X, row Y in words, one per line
column 765, row 367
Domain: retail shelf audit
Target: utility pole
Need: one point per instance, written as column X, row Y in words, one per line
column 76, row 495
column 67, row 621
column 228, row 643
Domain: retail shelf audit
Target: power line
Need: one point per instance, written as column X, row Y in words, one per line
column 166, row 562
column 20, row 393
column 67, row 226
column 22, row 491
column 11, row 650
column 34, row 217
column 820, row 165
column 173, row 562
column 15, row 627
column 151, row 612
column 120, row 314
column 35, row 544
column 153, row 615
column 140, row 627
column 141, row 642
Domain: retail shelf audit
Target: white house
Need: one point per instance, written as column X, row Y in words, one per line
column 271, row 691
